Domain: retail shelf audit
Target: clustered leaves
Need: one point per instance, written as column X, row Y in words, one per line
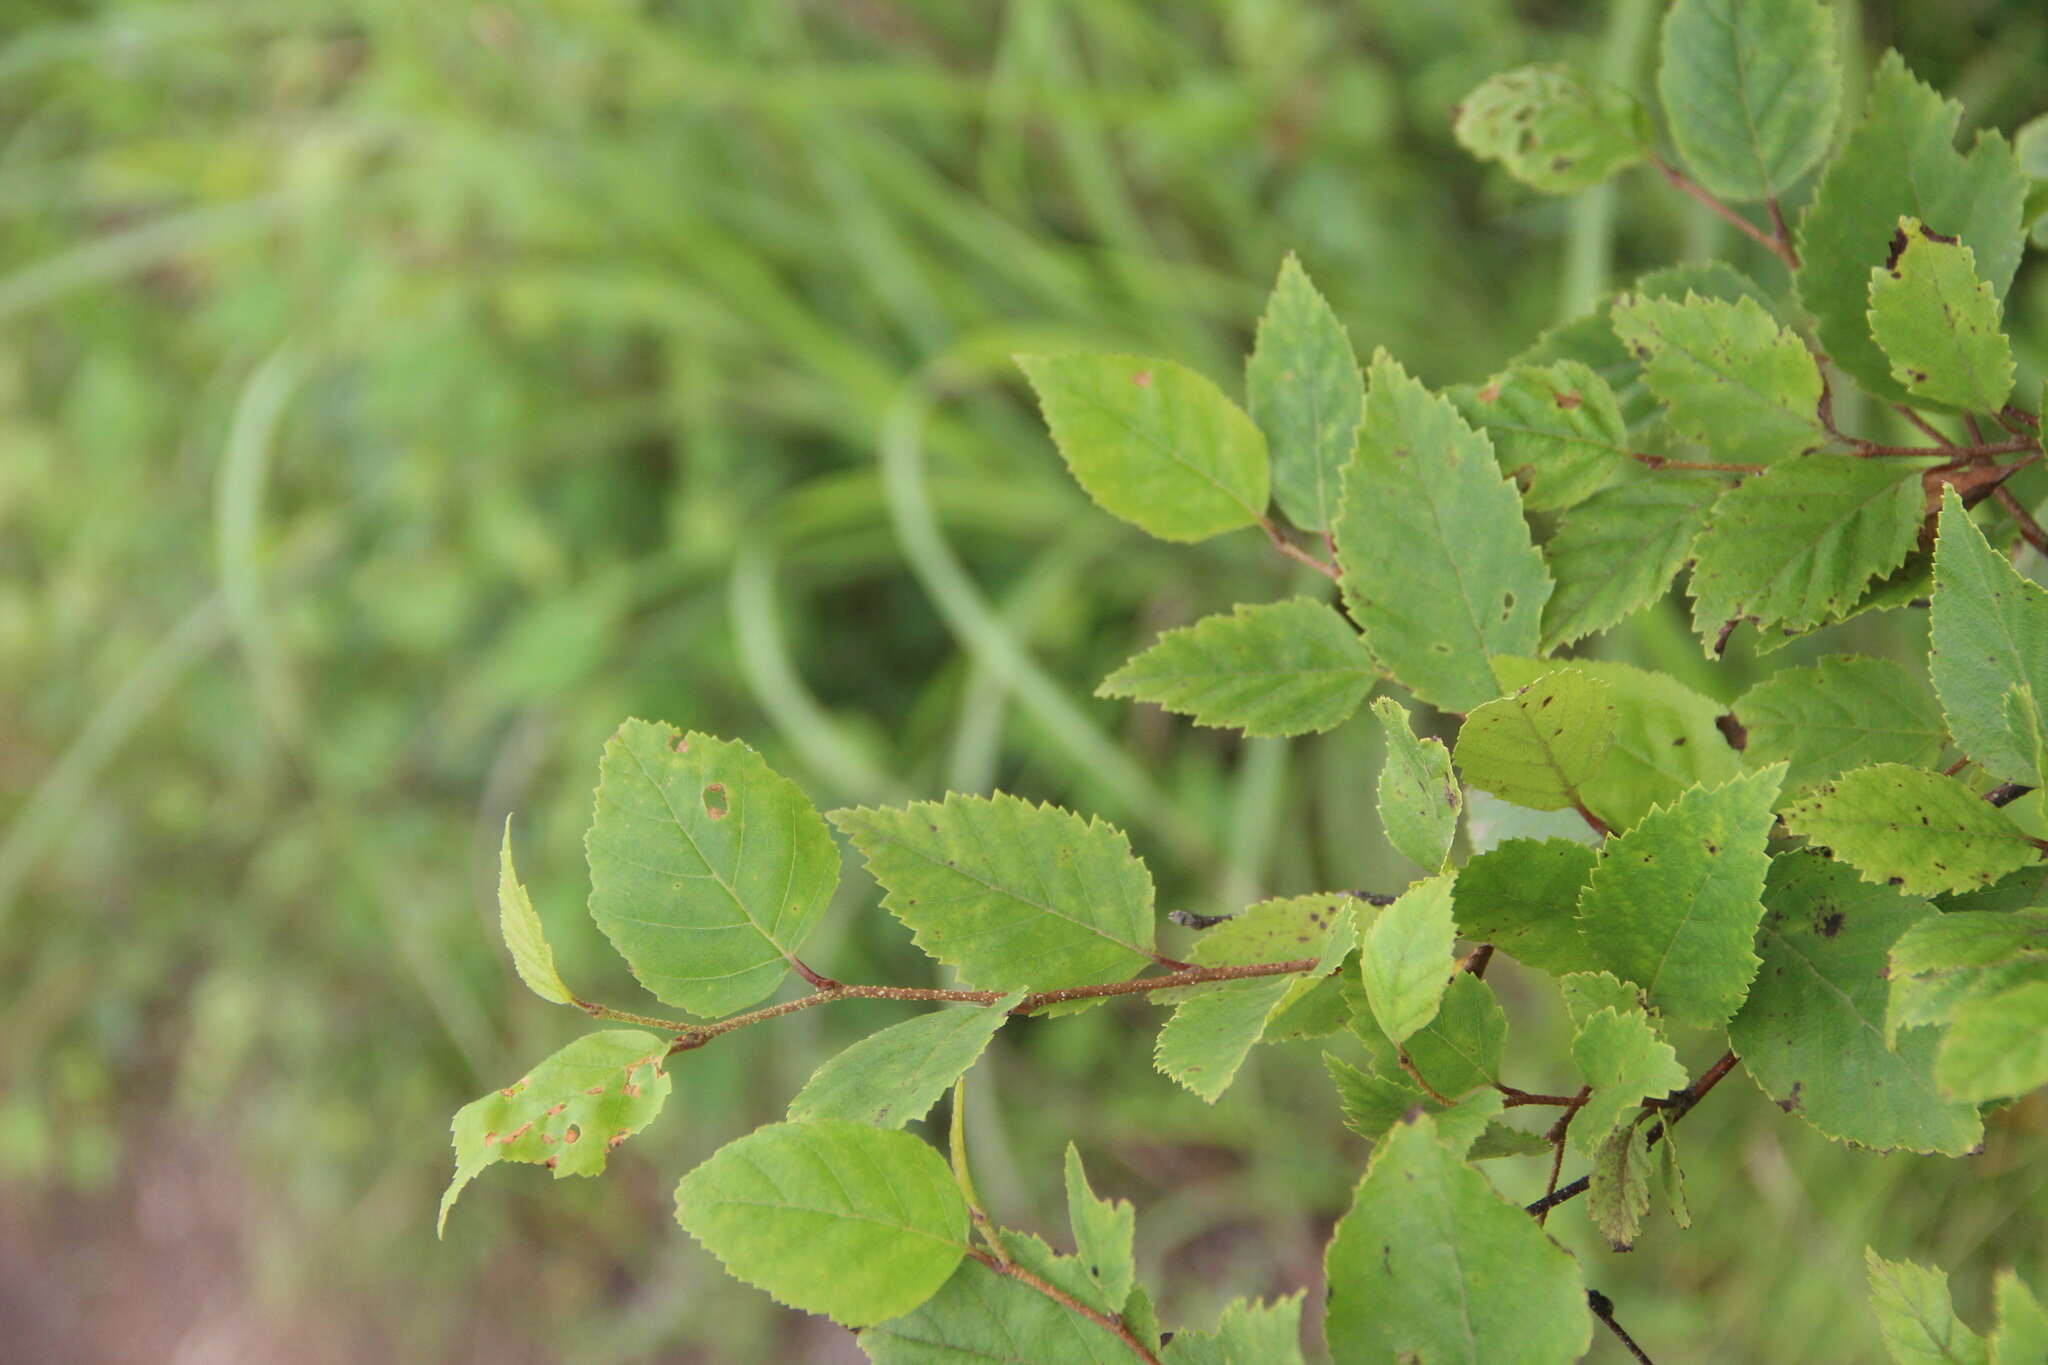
column 1839, row 874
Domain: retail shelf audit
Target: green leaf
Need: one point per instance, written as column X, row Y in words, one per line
column 1751, row 89
column 1373, row 1104
column 1618, row 1186
column 1674, row 904
column 1901, row 159
column 1925, row 831
column 1942, row 964
column 567, row 1114
column 1988, row 634
column 1996, row 1046
column 1010, row 894
column 979, row 1316
column 1738, row 383
column 891, row 1077
column 707, row 869
column 1419, row 800
column 1621, row 1054
column 1153, row 442
column 1432, row 1265
column 1797, row 545
column 521, row 928
column 1247, row 1334
column 1438, row 567
column 2022, row 1335
column 1305, row 392
column 860, row 1224
column 1939, row 324
column 1406, row 963
column 1103, row 1230
column 1459, row 1050
column 1843, row 712
column 1552, row 128
column 1280, row 668
column 1917, row 1317
column 1812, row 1032
column 1673, row 1180
column 1586, row 994
column 1618, row 551
column 1667, row 737
column 1523, row 898
column 1556, row 428
column 1538, row 746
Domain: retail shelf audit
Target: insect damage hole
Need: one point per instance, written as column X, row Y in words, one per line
column 715, row 804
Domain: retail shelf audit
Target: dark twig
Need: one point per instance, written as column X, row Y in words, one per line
column 1603, row 1309
column 1791, row 256
column 2029, row 528
column 1675, row 1106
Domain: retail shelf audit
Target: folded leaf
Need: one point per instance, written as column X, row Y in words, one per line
column 1618, row 1186
column 519, row 924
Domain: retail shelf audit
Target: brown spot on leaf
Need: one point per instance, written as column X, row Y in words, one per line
column 1830, row 925
column 1898, row 249
column 1143, row 379
column 1490, row 394
column 715, row 804
column 1568, row 401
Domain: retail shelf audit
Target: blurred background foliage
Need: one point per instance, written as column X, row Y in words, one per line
column 394, row 395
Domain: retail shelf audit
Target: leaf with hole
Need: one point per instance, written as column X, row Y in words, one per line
column 1939, row 324
column 1552, row 128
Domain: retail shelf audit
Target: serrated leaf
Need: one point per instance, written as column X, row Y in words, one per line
column 1419, row 800
column 1751, row 89
column 1009, row 894
column 1843, row 712
column 896, row 1075
column 979, row 1316
column 1438, row 566
column 519, row 924
column 1103, row 1230
column 1736, row 381
column 1278, row 668
column 860, row 1224
column 1623, row 1057
column 1422, row 1262
column 1944, row 963
column 1305, row 392
column 1996, row 1046
column 1798, row 544
column 1586, row 994
column 1540, row 744
column 1153, row 442
column 1374, row 1103
column 1247, row 1334
column 1552, row 128
column 1925, row 831
column 1939, row 324
column 1916, row 1316
column 1667, row 737
column 1618, row 1186
column 708, row 870
column 2022, row 1334
column 1406, row 957
column 1555, row 428
column 1523, row 898
column 1459, row 1050
column 1901, row 159
column 567, row 1114
column 1812, row 1032
column 1674, row 904
column 1672, row 1179
column 1988, row 634
column 1618, row 551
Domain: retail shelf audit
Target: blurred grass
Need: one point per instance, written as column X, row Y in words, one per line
column 394, row 396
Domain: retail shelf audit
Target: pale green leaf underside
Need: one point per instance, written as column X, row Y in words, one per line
column 1275, row 669
column 1843, row 712
column 568, row 1113
column 1916, row 1316
column 1926, row 831
column 1419, row 800
column 1939, row 324
column 979, row 1316
column 707, row 869
column 1988, row 634
column 1618, row 1185
column 1674, row 904
column 1552, row 128
column 1737, row 381
column 1996, row 1046
column 1010, row 894
column 1431, row 1264
column 1622, row 1056
column 1618, row 551
column 897, row 1074
column 1438, row 567
column 519, row 924
column 1796, row 546
column 1406, row 958
column 1901, row 159
column 1523, row 898
column 860, row 1224
column 1555, row 428
column 1538, row 746
column 1812, row 1033
column 1153, row 442
column 1103, row 1230
column 1305, row 392
column 1751, row 89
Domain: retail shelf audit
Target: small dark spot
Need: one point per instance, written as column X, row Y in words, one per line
column 1568, row 401
column 1791, row 1101
column 1831, row 924
column 1898, row 249
column 1733, row 731
column 1678, row 743
column 1931, row 235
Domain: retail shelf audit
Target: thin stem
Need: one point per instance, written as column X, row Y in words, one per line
column 1593, row 822
column 1295, row 552
column 1701, row 466
column 1949, row 449
column 1970, row 425
column 1559, row 1131
column 1676, row 1107
column 1782, row 249
column 1070, row 1303
column 1415, row 1075
column 1511, row 1098
column 1603, row 1309
column 1917, row 420
column 818, row 983
column 1784, row 233
column 2029, row 528
column 2020, row 415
